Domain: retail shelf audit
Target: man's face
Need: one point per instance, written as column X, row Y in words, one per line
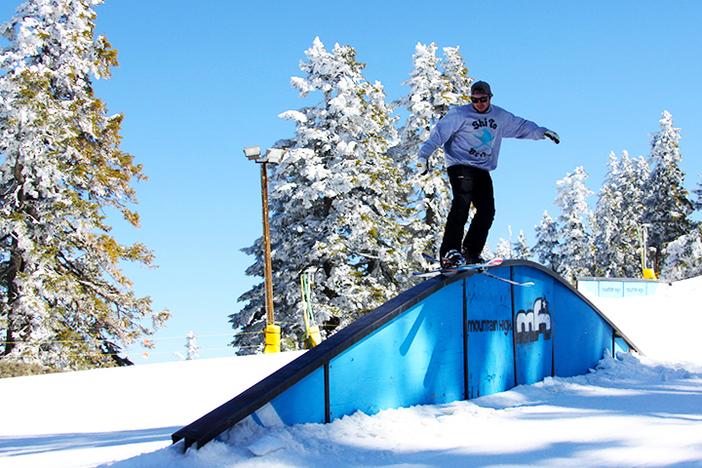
column 481, row 102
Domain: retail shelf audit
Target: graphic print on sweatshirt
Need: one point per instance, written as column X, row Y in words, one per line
column 484, row 148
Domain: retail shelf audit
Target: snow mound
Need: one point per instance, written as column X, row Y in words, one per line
column 665, row 325
column 629, row 411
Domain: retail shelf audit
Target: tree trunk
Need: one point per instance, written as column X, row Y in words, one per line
column 13, row 333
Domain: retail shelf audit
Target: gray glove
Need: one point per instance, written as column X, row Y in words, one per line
column 553, row 136
column 422, row 166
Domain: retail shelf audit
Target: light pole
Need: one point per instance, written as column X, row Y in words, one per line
column 272, row 156
column 648, row 273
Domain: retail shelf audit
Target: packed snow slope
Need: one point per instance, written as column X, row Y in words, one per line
column 630, row 411
column 666, row 325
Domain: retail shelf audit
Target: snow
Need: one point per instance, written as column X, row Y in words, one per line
column 635, row 410
column 665, row 325
column 82, row 419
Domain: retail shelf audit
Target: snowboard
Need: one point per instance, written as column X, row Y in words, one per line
column 455, row 270
column 480, row 267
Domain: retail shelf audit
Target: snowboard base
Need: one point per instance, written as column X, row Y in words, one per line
column 480, row 267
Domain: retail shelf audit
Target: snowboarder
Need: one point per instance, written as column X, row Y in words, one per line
column 471, row 136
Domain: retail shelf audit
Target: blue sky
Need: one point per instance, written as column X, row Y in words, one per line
column 199, row 81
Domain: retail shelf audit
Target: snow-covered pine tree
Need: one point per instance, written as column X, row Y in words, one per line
column 487, row 253
column 633, row 174
column 520, row 248
column 575, row 249
column 548, row 238
column 191, row 347
column 503, row 249
column 617, row 218
column 336, row 205
column 608, row 254
column 666, row 206
column 427, row 101
column 697, row 204
column 431, row 94
column 456, row 74
column 64, row 301
column 683, row 257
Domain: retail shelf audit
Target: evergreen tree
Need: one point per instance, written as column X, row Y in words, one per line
column 503, row 249
column 431, row 94
column 487, row 254
column 191, row 347
column 336, row 205
column 683, row 257
column 618, row 212
column 64, row 302
column 609, row 200
column 547, row 241
column 521, row 248
column 575, row 249
column 666, row 206
column 697, row 204
column 456, row 74
column 634, row 175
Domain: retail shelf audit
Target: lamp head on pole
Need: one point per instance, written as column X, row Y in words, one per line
column 253, row 152
column 272, row 156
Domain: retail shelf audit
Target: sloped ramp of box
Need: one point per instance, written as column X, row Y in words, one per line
column 445, row 339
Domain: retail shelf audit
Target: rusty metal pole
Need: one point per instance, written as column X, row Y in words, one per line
column 272, row 331
column 270, row 317
column 273, row 156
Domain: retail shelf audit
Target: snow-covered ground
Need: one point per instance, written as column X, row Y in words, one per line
column 631, row 411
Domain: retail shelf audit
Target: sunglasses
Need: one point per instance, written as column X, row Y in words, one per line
column 481, row 99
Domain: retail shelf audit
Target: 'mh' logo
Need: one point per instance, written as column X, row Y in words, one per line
column 533, row 322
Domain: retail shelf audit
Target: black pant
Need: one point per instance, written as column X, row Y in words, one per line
column 470, row 185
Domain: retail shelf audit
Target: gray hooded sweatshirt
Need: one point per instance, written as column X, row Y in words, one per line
column 473, row 139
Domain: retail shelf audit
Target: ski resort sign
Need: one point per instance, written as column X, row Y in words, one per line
column 528, row 324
